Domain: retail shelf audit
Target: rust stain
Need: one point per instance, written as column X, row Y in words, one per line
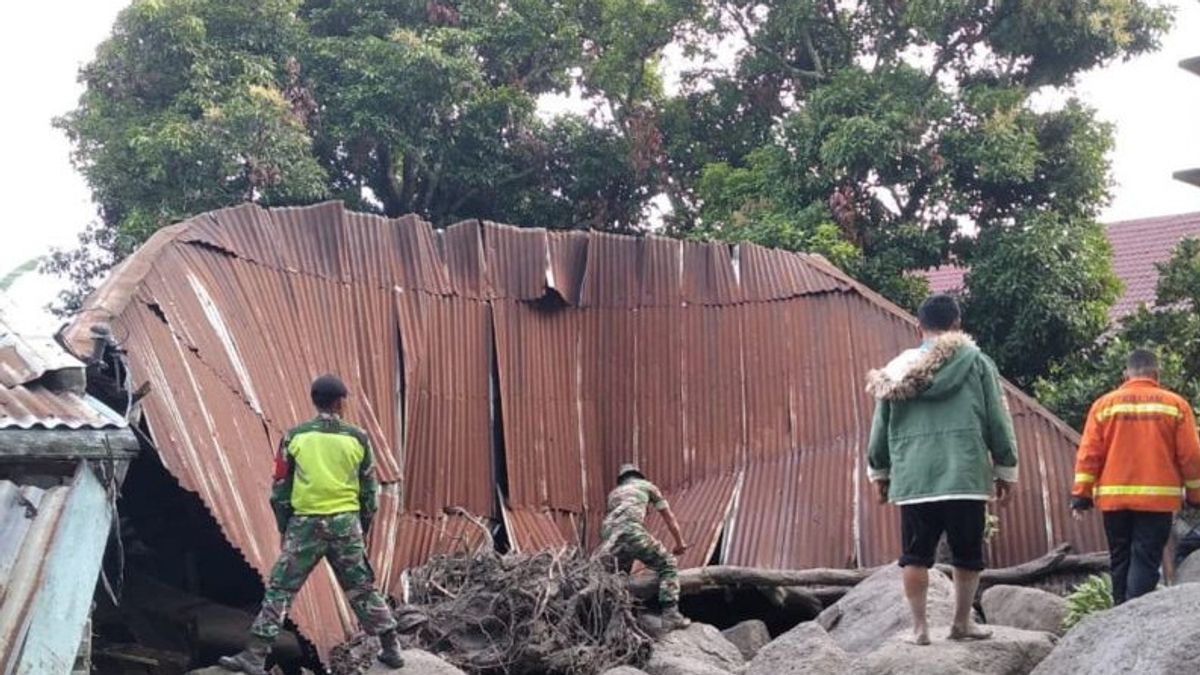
column 509, row 371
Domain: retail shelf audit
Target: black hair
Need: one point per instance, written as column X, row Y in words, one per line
column 327, row 390
column 939, row 312
column 1141, row 361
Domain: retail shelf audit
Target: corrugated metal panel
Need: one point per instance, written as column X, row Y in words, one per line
column 36, row 407
column 51, row 545
column 447, row 354
column 539, row 530
column 611, row 276
column 41, row 386
column 701, row 362
column 701, row 509
column 709, row 274
column 518, row 261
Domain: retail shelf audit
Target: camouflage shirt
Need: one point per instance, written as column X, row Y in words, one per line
column 627, row 505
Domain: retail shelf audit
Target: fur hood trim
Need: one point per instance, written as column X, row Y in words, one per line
column 911, row 373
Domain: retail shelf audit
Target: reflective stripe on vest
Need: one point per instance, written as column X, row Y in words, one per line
column 1138, row 409
column 1148, row 490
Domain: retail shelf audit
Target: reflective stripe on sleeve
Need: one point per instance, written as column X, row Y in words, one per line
column 1138, row 409
column 1084, row 478
column 1149, row 490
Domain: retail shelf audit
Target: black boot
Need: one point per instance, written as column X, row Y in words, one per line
column 673, row 619
column 390, row 654
column 252, row 660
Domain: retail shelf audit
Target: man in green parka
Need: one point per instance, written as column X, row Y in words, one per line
column 941, row 437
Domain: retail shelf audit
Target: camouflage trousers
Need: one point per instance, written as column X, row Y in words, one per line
column 339, row 540
column 635, row 543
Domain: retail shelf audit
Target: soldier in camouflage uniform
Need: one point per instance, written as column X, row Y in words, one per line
column 325, row 496
column 627, row 539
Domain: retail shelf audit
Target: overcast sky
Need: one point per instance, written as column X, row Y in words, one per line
column 42, row 45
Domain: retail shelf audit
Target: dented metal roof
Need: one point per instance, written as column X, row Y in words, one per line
column 509, row 371
column 42, row 386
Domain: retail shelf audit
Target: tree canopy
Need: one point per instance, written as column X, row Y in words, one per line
column 890, row 135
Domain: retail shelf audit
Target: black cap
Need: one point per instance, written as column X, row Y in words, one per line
column 327, row 390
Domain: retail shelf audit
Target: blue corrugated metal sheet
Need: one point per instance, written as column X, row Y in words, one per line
column 51, row 546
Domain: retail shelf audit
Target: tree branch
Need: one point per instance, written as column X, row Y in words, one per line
column 748, row 33
column 393, row 203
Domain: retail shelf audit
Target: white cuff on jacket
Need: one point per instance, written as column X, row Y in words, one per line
column 878, row 474
column 1008, row 474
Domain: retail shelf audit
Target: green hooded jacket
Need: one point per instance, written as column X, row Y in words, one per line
column 941, row 428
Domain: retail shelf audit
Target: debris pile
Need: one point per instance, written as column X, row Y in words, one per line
column 558, row 612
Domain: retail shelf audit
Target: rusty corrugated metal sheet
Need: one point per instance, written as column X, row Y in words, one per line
column 38, row 407
column 41, row 386
column 540, row 529
column 710, row 365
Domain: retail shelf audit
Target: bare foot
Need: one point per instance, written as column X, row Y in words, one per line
column 969, row 632
column 919, row 637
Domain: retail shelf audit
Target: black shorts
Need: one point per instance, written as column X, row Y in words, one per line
column 922, row 525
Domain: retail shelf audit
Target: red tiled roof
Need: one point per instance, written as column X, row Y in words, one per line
column 1138, row 245
column 946, row 278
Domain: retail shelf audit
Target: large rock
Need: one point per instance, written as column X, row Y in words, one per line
column 805, row 650
column 1011, row 651
column 1020, row 607
column 1188, row 571
column 1156, row 634
column 417, row 662
column 676, row 665
column 748, row 637
column 876, row 609
column 699, row 649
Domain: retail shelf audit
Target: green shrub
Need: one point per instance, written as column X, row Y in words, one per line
column 1091, row 596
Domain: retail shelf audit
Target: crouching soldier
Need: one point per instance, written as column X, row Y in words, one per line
column 324, row 498
column 627, row 539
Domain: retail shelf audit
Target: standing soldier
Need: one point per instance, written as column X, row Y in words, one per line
column 625, row 536
column 324, row 498
column 1138, row 459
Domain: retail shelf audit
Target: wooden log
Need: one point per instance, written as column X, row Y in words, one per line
column 828, row 585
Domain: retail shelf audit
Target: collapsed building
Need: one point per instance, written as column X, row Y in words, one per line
column 507, row 372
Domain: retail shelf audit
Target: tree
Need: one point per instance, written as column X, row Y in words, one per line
column 923, row 132
column 872, row 130
column 1171, row 329
column 395, row 106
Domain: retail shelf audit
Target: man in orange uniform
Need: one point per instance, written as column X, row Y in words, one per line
column 1138, row 458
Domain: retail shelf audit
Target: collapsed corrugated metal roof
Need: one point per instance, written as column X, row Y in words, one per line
column 486, row 359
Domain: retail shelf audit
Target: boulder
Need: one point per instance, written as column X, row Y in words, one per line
column 1157, row 633
column 876, row 609
column 697, row 645
column 748, row 637
column 677, row 665
column 1020, row 607
column 805, row 650
column 417, row 662
column 1188, row 571
column 624, row 670
column 1011, row 651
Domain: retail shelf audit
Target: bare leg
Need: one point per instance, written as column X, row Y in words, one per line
column 966, row 582
column 916, row 589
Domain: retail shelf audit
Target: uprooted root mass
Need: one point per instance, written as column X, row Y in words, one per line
column 551, row 612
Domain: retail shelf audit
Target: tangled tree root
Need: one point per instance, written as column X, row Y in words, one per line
column 551, row 612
